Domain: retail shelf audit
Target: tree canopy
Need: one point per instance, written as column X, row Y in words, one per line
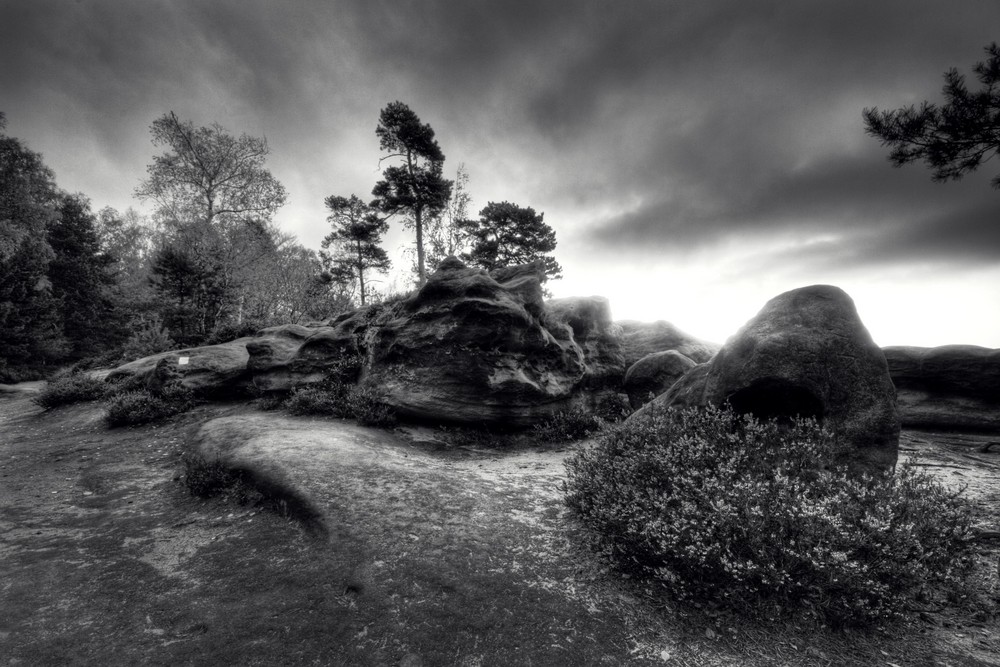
column 357, row 233
column 507, row 234
column 206, row 172
column 415, row 186
column 953, row 139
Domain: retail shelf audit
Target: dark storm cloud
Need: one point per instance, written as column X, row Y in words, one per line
column 766, row 138
column 697, row 122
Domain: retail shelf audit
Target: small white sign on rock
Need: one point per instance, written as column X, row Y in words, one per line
column 183, row 361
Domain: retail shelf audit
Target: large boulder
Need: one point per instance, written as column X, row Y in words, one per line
column 210, row 370
column 950, row 387
column 640, row 339
column 654, row 374
column 805, row 353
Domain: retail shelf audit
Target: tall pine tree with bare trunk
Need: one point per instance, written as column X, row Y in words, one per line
column 414, row 186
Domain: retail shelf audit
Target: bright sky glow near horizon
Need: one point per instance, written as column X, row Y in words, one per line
column 695, row 159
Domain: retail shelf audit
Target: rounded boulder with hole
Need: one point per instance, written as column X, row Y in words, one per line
column 806, row 353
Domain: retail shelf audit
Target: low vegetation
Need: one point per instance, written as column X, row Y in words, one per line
column 708, row 505
column 72, row 388
column 129, row 406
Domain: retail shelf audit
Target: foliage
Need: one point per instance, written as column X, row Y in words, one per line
column 30, row 332
column 73, row 388
column 953, row 139
column 507, row 235
column 231, row 331
column 81, row 278
column 712, row 505
column 192, row 292
column 149, row 337
column 357, row 233
column 568, row 425
column 206, row 172
column 447, row 234
column 339, row 396
column 207, row 479
column 130, row 406
column 416, row 187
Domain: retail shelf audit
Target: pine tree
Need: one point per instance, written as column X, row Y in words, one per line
column 81, row 279
column 415, row 187
column 357, row 233
column 507, row 234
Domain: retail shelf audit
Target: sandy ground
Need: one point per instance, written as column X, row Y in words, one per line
column 430, row 554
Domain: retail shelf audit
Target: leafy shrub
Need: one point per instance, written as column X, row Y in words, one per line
column 574, row 424
column 73, row 388
column 709, row 504
column 140, row 406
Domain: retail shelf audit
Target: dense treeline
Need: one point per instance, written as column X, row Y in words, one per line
column 99, row 288
column 209, row 263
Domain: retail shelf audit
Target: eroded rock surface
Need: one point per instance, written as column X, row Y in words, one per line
column 210, row 369
column 805, row 353
column 643, row 338
column 654, row 374
column 952, row 387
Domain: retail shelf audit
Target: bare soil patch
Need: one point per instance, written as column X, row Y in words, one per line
column 430, row 555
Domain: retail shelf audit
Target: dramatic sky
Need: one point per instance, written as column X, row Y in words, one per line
column 694, row 158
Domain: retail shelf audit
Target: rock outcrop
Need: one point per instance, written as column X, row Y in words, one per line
column 212, row 369
column 640, row 339
column 469, row 346
column 948, row 387
column 805, row 353
column 654, row 374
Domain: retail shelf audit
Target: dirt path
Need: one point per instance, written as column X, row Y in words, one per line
column 431, row 556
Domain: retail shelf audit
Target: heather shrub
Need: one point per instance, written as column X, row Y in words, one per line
column 368, row 406
column 327, row 398
column 73, row 388
column 335, row 398
column 568, row 425
column 711, row 505
column 130, row 407
column 209, row 478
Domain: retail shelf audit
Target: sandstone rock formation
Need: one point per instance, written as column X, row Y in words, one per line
column 642, row 338
column 654, row 374
column 469, row 346
column 211, row 369
column 950, row 387
column 805, row 353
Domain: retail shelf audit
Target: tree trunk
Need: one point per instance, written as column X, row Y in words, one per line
column 421, row 277
column 361, row 274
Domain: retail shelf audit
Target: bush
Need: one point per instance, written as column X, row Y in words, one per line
column 151, row 338
column 333, row 398
column 574, row 424
column 327, row 398
column 73, row 388
column 369, row 408
column 207, row 479
column 140, row 406
column 712, row 505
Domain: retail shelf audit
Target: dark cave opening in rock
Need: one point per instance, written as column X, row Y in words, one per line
column 774, row 398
